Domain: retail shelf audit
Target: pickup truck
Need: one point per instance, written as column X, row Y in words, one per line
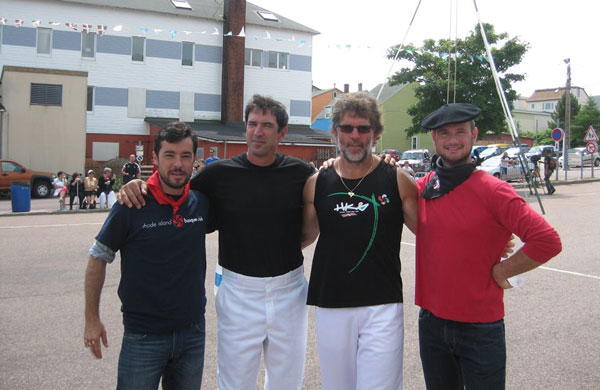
column 12, row 171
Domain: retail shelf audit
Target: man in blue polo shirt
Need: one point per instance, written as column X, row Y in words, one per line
column 163, row 267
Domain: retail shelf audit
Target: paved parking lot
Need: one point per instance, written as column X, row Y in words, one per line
column 552, row 322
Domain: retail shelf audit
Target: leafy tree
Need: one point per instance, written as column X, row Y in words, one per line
column 544, row 137
column 588, row 116
column 474, row 80
column 559, row 111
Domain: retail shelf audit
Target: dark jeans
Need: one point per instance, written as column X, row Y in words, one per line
column 72, row 198
column 461, row 355
column 549, row 185
column 177, row 357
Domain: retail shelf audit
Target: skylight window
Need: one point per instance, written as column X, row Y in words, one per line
column 182, row 4
column 266, row 15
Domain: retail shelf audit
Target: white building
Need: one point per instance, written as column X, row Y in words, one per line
column 149, row 59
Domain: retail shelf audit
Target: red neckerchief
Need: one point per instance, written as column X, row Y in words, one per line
column 162, row 198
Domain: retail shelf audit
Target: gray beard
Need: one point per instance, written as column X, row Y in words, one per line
column 353, row 159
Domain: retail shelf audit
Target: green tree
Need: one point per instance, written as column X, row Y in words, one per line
column 544, row 137
column 474, row 80
column 558, row 116
column 588, row 116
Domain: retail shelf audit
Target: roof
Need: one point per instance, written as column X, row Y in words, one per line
column 548, row 94
column 206, row 9
column 234, row 132
column 388, row 91
column 322, row 91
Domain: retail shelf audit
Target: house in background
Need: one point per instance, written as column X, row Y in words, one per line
column 528, row 120
column 545, row 100
column 173, row 60
column 321, row 99
column 395, row 101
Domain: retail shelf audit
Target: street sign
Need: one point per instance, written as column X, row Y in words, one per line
column 591, row 147
column 139, row 158
column 590, row 135
column 557, row 134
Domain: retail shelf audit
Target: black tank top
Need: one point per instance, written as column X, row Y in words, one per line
column 357, row 258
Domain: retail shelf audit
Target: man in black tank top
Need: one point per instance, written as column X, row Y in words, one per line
column 359, row 208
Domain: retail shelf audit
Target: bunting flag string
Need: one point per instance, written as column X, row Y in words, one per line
column 102, row 29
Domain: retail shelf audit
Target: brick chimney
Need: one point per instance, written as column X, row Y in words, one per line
column 346, row 88
column 359, row 87
column 232, row 86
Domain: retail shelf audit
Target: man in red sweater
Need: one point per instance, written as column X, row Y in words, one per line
column 465, row 219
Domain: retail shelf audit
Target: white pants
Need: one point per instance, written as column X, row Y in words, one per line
column 361, row 347
column 256, row 315
column 110, row 198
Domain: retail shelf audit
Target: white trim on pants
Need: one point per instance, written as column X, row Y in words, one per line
column 111, row 199
column 261, row 314
column 361, row 347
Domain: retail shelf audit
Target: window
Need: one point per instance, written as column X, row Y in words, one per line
column 278, row 60
column 44, row 40
column 90, row 99
column 46, row 94
column 414, row 143
column 137, row 48
column 533, row 106
column 181, row 4
column 253, row 57
column 328, row 112
column 266, row 15
column 187, row 53
column 88, row 45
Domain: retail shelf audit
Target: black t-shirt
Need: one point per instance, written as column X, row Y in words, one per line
column 105, row 185
column 132, row 170
column 357, row 258
column 258, row 212
column 163, row 262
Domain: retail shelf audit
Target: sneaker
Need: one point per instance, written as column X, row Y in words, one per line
column 553, row 191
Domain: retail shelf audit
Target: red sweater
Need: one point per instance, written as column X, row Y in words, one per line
column 461, row 235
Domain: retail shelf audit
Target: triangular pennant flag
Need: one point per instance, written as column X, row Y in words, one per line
column 173, row 34
column 279, row 39
column 292, row 40
column 216, row 32
column 229, row 34
column 19, row 22
column 101, row 30
column 71, row 25
column 157, row 31
column 143, row 30
column 86, row 28
column 187, row 32
column 36, row 22
column 256, row 38
column 54, row 23
column 3, row 20
column 242, row 33
column 268, row 35
column 118, row 28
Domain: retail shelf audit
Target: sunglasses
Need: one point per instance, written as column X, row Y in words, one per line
column 362, row 129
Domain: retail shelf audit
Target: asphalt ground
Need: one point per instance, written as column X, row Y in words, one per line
column 552, row 322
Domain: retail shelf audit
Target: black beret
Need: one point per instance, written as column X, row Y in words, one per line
column 450, row 113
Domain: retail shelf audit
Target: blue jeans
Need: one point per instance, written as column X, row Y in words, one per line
column 177, row 357
column 462, row 355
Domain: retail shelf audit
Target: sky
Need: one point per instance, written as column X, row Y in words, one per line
column 354, row 36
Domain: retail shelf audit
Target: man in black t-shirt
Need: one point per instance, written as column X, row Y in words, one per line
column 359, row 208
column 163, row 266
column 261, row 302
column 131, row 170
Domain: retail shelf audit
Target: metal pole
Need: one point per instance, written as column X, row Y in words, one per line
column 581, row 169
column 567, row 138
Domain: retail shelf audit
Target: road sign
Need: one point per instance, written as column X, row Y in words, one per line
column 591, row 135
column 591, row 147
column 139, row 158
column 557, row 134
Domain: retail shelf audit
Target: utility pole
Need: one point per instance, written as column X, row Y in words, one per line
column 567, row 137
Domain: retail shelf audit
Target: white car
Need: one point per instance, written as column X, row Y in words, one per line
column 492, row 165
column 419, row 159
column 575, row 158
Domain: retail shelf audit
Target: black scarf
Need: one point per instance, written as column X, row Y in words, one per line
column 445, row 179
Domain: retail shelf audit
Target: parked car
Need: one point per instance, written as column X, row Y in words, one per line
column 12, row 171
column 512, row 152
column 395, row 154
column 513, row 172
column 418, row 159
column 491, row 151
column 575, row 158
column 538, row 150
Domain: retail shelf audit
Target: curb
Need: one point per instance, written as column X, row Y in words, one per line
column 51, row 212
column 562, row 182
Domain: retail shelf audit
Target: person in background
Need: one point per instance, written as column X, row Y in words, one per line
column 549, row 167
column 60, row 189
column 406, row 168
column 76, row 190
column 212, row 156
column 131, row 170
column 90, row 184
column 105, row 189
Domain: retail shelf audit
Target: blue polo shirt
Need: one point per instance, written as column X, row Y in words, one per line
column 163, row 262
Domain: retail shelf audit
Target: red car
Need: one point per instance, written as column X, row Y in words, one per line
column 12, row 171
